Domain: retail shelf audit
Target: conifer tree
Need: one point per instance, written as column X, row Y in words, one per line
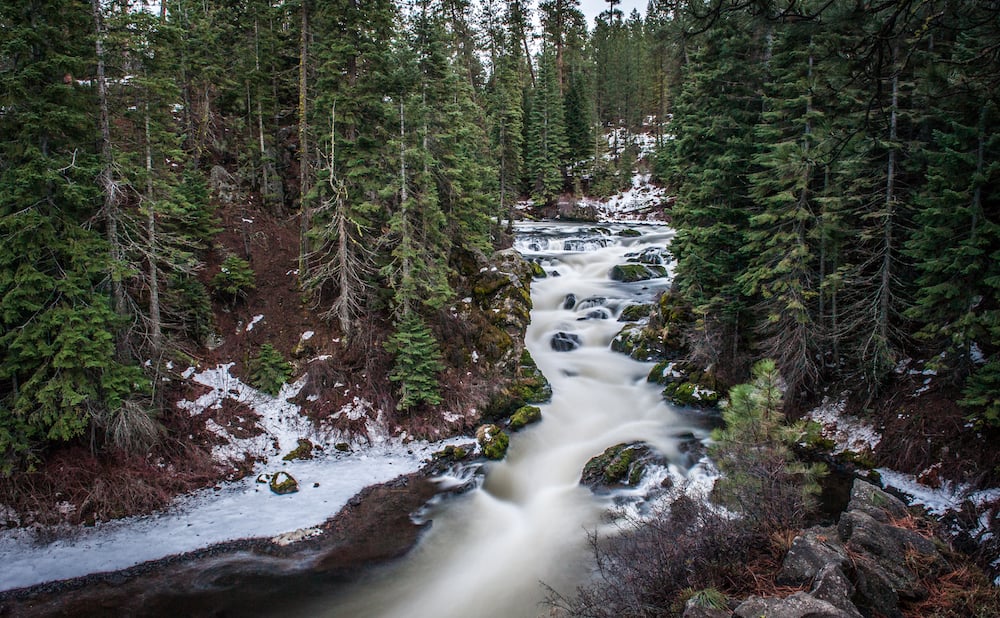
column 545, row 145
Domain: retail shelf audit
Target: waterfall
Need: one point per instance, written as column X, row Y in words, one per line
column 488, row 551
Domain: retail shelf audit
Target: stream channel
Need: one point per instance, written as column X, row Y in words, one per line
column 490, row 550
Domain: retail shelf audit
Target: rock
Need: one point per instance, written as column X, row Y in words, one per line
column 799, row 605
column 450, row 453
column 570, row 302
column 343, row 447
column 634, row 313
column 630, row 273
column 525, row 415
column 493, row 441
column 302, row 451
column 635, row 341
column 812, row 551
column 283, row 483
column 565, row 342
column 691, row 394
column 596, row 314
column 537, row 271
column 630, row 233
column 877, row 503
column 591, row 302
column 892, row 552
column 529, row 386
column 832, row 586
column 621, row 464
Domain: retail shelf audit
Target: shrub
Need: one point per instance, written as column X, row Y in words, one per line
column 234, row 279
column 269, row 370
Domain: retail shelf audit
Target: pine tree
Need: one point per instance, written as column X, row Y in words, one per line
column 58, row 365
column 417, row 361
column 545, row 145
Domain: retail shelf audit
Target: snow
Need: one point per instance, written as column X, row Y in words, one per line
column 632, row 204
column 306, row 336
column 234, row 510
column 949, row 497
column 238, row 510
column 848, row 432
column 253, row 322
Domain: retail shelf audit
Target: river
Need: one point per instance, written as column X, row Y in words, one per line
column 489, row 551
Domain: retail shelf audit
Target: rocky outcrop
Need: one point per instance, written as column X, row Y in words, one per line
column 864, row 566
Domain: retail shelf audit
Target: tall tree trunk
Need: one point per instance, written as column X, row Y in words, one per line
column 303, row 140
column 107, row 182
column 155, row 323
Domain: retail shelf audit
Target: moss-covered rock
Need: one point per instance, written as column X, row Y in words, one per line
column 637, row 342
column 525, row 415
column 691, row 394
column 635, row 313
column 303, row 451
column 451, row 453
column 621, row 464
column 283, row 483
column 493, row 441
column 530, row 386
column 630, row 233
column 630, row 273
column 537, row 271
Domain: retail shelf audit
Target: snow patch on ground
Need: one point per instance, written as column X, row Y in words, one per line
column 253, row 322
column 848, row 432
column 234, row 510
column 632, row 204
column 948, row 497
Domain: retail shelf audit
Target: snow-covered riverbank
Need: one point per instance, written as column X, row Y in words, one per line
column 236, row 510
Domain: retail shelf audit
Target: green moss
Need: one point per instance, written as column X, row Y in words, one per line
column 451, row 453
column 634, row 313
column 864, row 459
column 630, row 233
column 617, row 464
column 537, row 271
column 630, row 273
column 493, row 441
column 302, row 451
column 525, row 415
column 283, row 483
column 343, row 447
column 690, row 394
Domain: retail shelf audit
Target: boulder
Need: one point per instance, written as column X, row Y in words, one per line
column 832, row 586
column 303, row 451
column 630, row 273
column 799, row 605
column 596, row 314
column 890, row 553
column 621, row 464
column 525, row 415
column 493, row 441
column 877, row 503
column 570, row 302
column 810, row 552
column 591, row 302
column 565, row 342
column 283, row 483
column 634, row 313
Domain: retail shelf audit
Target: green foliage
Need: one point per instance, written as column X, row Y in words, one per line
column 192, row 307
column 761, row 476
column 235, row 278
column 982, row 394
column 417, row 361
column 269, row 370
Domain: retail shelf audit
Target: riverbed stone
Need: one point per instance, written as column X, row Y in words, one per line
column 569, row 303
column 621, row 464
column 630, row 273
column 525, row 415
column 565, row 342
column 832, row 586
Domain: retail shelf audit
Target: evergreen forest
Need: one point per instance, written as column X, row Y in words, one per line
column 834, row 167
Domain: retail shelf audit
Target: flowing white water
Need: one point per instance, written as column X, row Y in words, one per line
column 489, row 550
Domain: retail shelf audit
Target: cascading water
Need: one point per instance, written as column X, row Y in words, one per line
column 489, row 550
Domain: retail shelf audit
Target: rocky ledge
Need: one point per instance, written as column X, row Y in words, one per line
column 867, row 565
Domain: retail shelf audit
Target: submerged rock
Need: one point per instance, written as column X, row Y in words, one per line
column 283, row 483
column 570, row 302
column 565, row 342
